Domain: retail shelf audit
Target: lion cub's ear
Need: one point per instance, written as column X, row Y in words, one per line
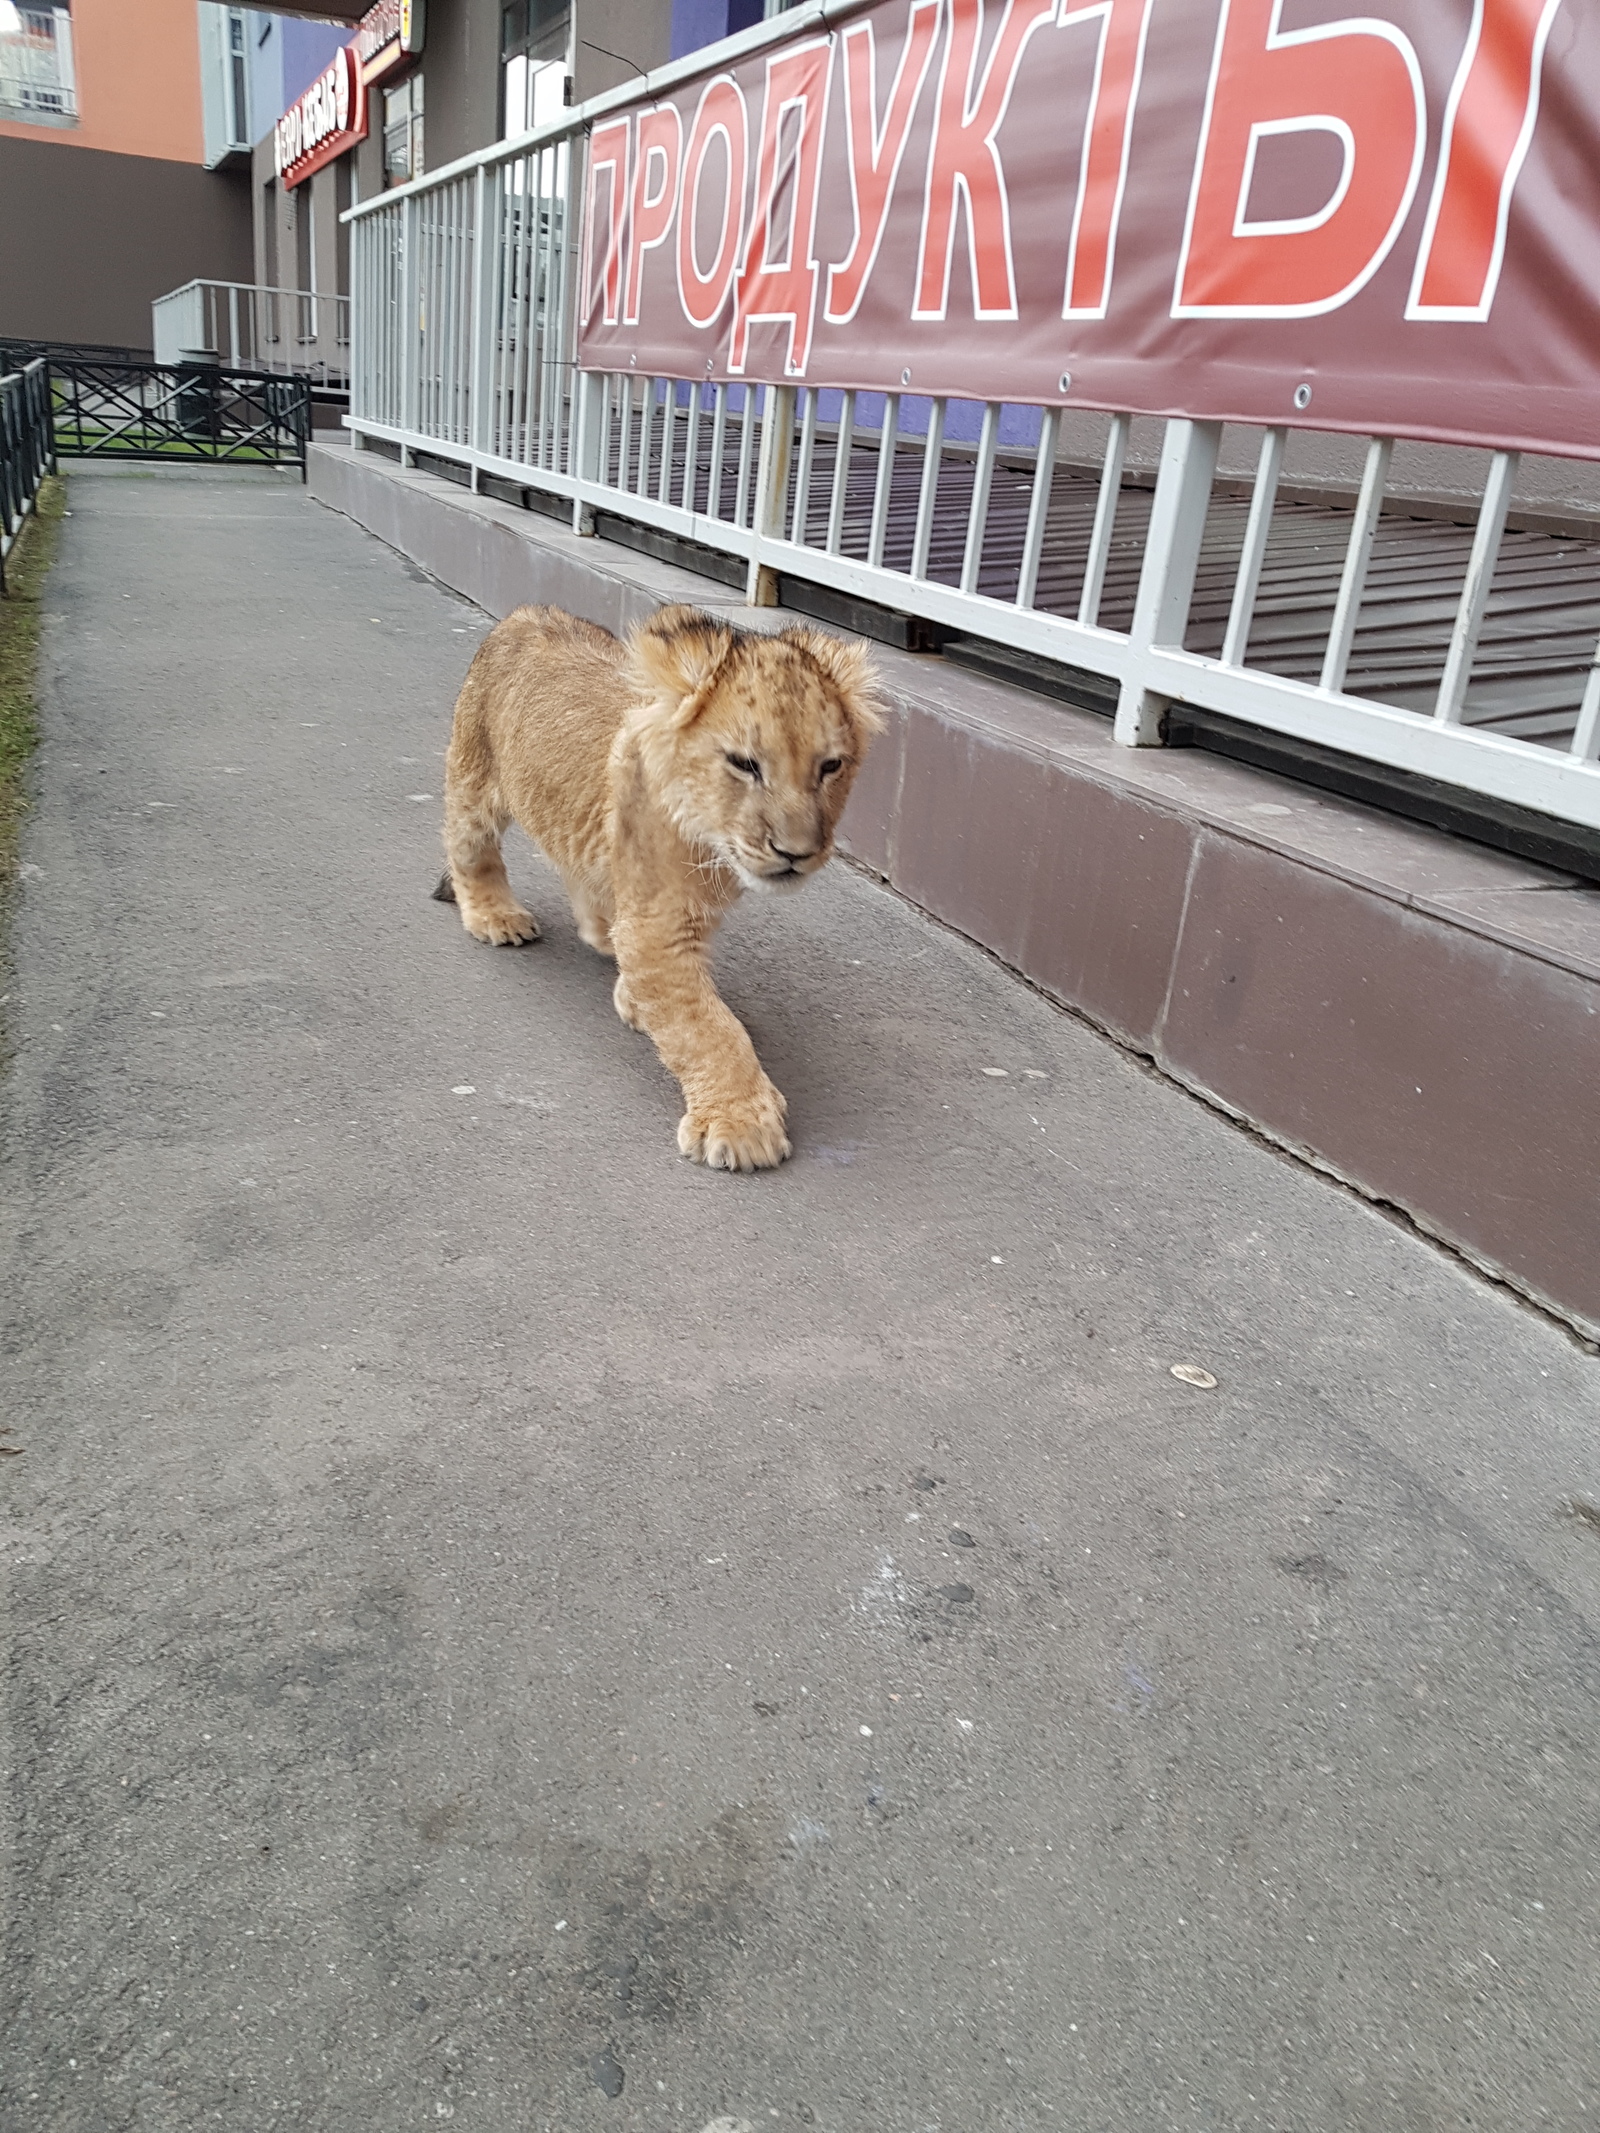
column 673, row 656
column 849, row 667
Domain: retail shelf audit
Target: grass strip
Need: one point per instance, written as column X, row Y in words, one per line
column 27, row 567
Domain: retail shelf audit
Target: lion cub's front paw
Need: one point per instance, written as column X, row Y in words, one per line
column 738, row 1136
column 502, row 925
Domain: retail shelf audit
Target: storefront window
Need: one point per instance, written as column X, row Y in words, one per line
column 402, row 131
column 533, row 54
column 535, row 29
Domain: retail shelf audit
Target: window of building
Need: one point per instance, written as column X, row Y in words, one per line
column 535, row 29
column 534, row 36
column 343, row 198
column 305, row 261
column 238, row 82
column 37, row 80
column 270, row 328
column 402, row 131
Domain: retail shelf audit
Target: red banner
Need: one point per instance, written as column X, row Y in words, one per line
column 1251, row 210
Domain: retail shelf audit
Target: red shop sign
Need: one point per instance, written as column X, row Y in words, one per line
column 322, row 124
column 389, row 35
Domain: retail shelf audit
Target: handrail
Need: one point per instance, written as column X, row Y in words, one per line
column 288, row 330
column 250, row 288
column 463, row 350
column 780, row 29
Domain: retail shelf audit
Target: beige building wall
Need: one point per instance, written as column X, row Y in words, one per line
column 137, row 64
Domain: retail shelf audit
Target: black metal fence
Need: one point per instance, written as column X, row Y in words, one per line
column 27, row 449
column 173, row 412
column 15, row 351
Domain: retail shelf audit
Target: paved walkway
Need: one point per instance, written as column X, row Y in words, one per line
column 504, row 1626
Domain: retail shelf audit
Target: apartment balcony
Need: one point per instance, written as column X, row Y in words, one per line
column 37, row 81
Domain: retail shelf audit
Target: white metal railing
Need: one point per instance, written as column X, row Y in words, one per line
column 36, row 72
column 292, row 332
column 463, row 347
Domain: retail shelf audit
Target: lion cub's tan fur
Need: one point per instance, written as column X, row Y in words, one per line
column 663, row 777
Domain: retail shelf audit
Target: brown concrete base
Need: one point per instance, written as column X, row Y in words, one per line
column 1415, row 1015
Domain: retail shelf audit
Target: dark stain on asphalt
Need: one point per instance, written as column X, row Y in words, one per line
column 652, row 1934
column 127, row 1298
column 1314, row 1569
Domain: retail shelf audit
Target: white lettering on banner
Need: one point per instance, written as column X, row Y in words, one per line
column 1357, row 80
column 608, row 152
column 875, row 151
column 655, row 164
column 964, row 164
column 1107, row 141
column 721, row 117
column 732, row 197
column 1488, row 128
column 777, row 284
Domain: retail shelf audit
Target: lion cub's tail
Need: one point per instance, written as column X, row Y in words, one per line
column 445, row 893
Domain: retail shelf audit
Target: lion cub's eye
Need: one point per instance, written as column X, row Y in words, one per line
column 831, row 767
column 747, row 766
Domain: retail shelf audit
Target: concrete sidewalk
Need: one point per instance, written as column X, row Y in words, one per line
column 504, row 1626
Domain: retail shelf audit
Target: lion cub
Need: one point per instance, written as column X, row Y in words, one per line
column 663, row 776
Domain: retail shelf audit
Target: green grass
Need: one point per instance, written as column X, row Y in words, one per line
column 85, row 443
column 27, row 567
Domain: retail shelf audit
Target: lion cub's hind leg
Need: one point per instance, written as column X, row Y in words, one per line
column 477, row 874
column 594, row 920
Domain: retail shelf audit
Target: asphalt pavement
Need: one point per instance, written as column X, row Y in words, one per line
column 503, row 1626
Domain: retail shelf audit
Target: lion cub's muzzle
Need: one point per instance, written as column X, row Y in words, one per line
column 779, row 868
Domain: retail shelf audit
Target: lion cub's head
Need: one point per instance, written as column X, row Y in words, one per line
column 751, row 742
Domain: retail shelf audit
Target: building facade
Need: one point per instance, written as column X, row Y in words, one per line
column 141, row 140
column 438, row 79
column 109, row 120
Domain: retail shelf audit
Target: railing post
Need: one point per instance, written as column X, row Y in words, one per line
column 1166, row 582
column 410, row 328
column 772, row 489
column 485, row 278
column 1253, row 555
column 587, row 446
column 1457, row 676
column 1357, row 560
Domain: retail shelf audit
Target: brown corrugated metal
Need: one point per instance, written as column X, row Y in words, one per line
column 1534, row 653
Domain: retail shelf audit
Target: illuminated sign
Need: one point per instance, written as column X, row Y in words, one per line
column 390, row 34
column 322, row 124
